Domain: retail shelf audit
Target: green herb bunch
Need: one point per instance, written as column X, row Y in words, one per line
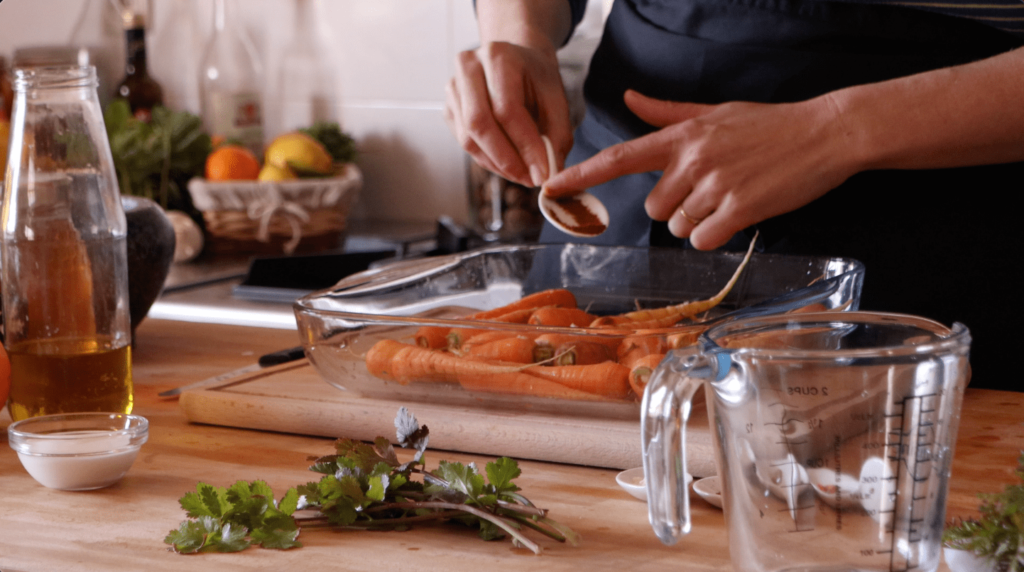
column 155, row 159
column 365, row 487
column 339, row 144
column 999, row 534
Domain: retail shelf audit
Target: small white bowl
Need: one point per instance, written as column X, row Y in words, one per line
column 78, row 451
column 710, row 490
column 966, row 561
column 632, row 481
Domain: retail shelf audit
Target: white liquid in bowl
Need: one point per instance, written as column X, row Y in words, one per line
column 78, row 452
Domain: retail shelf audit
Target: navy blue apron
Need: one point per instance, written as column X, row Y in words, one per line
column 942, row 243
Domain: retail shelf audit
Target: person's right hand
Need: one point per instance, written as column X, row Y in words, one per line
column 502, row 98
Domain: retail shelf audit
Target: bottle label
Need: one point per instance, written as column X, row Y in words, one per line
column 238, row 117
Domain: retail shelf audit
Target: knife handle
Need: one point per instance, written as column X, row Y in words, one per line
column 282, row 356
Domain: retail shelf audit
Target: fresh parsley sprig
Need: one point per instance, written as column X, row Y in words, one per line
column 364, row 486
column 999, row 534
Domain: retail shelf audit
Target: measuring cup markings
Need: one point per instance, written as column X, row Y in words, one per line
column 907, row 445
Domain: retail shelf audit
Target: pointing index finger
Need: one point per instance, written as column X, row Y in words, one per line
column 640, row 155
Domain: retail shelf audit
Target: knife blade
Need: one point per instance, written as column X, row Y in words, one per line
column 265, row 360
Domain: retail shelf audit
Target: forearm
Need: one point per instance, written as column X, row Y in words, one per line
column 958, row 116
column 539, row 24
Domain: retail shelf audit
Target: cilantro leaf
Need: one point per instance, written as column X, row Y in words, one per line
column 490, row 531
column 190, row 536
column 289, row 502
column 214, row 499
column 277, row 538
column 230, row 539
column 193, row 505
column 327, row 464
column 501, row 472
column 358, row 454
column 341, row 511
column 461, row 478
column 278, row 531
column 410, row 434
column 386, row 451
column 261, row 488
column 378, row 488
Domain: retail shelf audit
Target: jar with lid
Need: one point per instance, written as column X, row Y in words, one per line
column 63, row 258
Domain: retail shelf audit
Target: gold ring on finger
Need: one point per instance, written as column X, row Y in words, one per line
column 692, row 220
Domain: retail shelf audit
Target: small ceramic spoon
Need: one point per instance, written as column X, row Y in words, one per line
column 582, row 214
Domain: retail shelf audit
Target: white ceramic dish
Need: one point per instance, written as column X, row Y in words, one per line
column 965, row 561
column 78, row 451
column 632, row 481
column 710, row 490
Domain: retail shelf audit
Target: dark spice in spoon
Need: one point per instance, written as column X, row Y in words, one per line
column 584, row 221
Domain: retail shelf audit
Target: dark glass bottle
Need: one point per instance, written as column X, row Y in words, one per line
column 142, row 92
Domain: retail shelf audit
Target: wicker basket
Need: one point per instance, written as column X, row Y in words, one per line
column 304, row 215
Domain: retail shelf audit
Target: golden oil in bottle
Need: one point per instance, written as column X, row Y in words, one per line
column 64, row 376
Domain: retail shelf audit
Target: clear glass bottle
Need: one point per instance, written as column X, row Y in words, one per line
column 231, row 82
column 98, row 30
column 63, row 258
column 305, row 79
column 142, row 92
column 176, row 48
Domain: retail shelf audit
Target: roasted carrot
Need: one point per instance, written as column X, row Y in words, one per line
column 669, row 315
column 555, row 340
column 635, row 347
column 582, row 353
column 555, row 297
column 510, row 349
column 641, row 372
column 608, row 379
column 485, row 336
column 560, row 297
column 431, row 337
column 381, row 356
column 458, row 336
column 561, row 317
column 520, row 383
column 683, row 339
column 407, row 363
column 551, row 345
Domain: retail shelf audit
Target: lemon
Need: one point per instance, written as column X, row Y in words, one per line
column 274, row 173
column 300, row 153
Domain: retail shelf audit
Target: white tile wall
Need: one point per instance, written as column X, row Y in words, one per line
column 391, row 60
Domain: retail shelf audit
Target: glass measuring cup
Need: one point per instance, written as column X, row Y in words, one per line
column 833, row 432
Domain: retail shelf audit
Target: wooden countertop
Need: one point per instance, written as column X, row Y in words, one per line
column 122, row 527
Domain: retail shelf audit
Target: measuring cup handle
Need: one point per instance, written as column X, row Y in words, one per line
column 665, row 410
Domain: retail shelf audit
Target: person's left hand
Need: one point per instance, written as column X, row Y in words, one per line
column 725, row 167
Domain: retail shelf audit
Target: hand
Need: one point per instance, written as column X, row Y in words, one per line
column 503, row 96
column 727, row 166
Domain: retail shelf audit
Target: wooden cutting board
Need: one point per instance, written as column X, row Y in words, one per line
column 293, row 398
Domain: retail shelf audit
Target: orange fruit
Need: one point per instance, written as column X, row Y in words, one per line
column 5, row 375
column 232, row 163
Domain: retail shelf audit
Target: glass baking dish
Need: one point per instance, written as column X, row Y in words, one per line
column 339, row 325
